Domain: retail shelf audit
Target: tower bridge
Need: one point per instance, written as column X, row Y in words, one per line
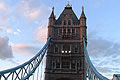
column 66, row 53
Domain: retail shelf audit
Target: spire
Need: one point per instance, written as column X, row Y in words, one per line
column 82, row 9
column 52, row 14
column 53, row 9
column 82, row 14
column 68, row 6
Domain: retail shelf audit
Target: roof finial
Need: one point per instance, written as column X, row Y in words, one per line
column 53, row 9
column 82, row 14
column 83, row 8
column 68, row 5
column 52, row 13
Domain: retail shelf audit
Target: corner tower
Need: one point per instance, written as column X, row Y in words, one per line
column 65, row 57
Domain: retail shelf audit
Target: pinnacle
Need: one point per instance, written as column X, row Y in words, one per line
column 82, row 14
column 52, row 14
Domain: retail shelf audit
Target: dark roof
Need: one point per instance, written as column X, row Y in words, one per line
column 68, row 10
column 52, row 15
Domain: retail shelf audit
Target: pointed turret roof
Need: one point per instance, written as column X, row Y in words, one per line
column 82, row 14
column 68, row 10
column 52, row 14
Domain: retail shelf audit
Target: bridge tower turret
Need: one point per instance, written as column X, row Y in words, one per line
column 83, row 26
column 51, row 24
column 65, row 57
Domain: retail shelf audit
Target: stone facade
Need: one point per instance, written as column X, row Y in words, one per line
column 65, row 57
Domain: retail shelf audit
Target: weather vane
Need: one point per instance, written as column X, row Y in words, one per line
column 68, row 1
column 68, row 5
column 53, row 8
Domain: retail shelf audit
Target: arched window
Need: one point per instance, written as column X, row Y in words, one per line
column 66, row 49
column 64, row 31
column 78, row 65
column 69, row 22
column 73, row 31
column 53, row 65
column 57, row 64
column 56, row 49
column 64, row 22
column 68, row 31
column 73, row 64
column 76, row 49
column 65, row 64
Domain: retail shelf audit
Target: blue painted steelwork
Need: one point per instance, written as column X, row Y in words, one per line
column 24, row 71
column 90, row 66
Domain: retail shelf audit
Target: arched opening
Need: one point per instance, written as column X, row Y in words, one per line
column 64, row 22
column 69, row 22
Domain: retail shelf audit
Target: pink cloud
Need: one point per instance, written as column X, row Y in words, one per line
column 24, row 49
column 41, row 34
column 5, row 48
column 2, row 6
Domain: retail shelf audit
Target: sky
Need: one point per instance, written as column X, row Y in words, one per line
column 23, row 30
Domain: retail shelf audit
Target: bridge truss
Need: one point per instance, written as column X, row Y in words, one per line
column 26, row 70
column 31, row 68
column 91, row 72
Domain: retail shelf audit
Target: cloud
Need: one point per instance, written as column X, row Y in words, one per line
column 34, row 14
column 5, row 13
column 18, row 30
column 9, row 30
column 99, row 46
column 31, row 10
column 41, row 34
column 5, row 48
column 104, row 54
column 23, row 49
column 13, row 61
column 2, row 6
column 1, row 29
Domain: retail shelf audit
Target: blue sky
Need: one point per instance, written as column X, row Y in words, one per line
column 23, row 30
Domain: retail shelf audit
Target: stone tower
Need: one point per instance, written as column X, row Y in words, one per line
column 65, row 57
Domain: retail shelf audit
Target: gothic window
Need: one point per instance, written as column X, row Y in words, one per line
column 76, row 49
column 60, row 30
column 57, row 64
column 64, row 31
column 69, row 22
column 73, row 65
column 56, row 49
column 65, row 65
column 78, row 65
column 64, row 22
column 73, row 31
column 68, row 31
column 53, row 65
column 66, row 48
